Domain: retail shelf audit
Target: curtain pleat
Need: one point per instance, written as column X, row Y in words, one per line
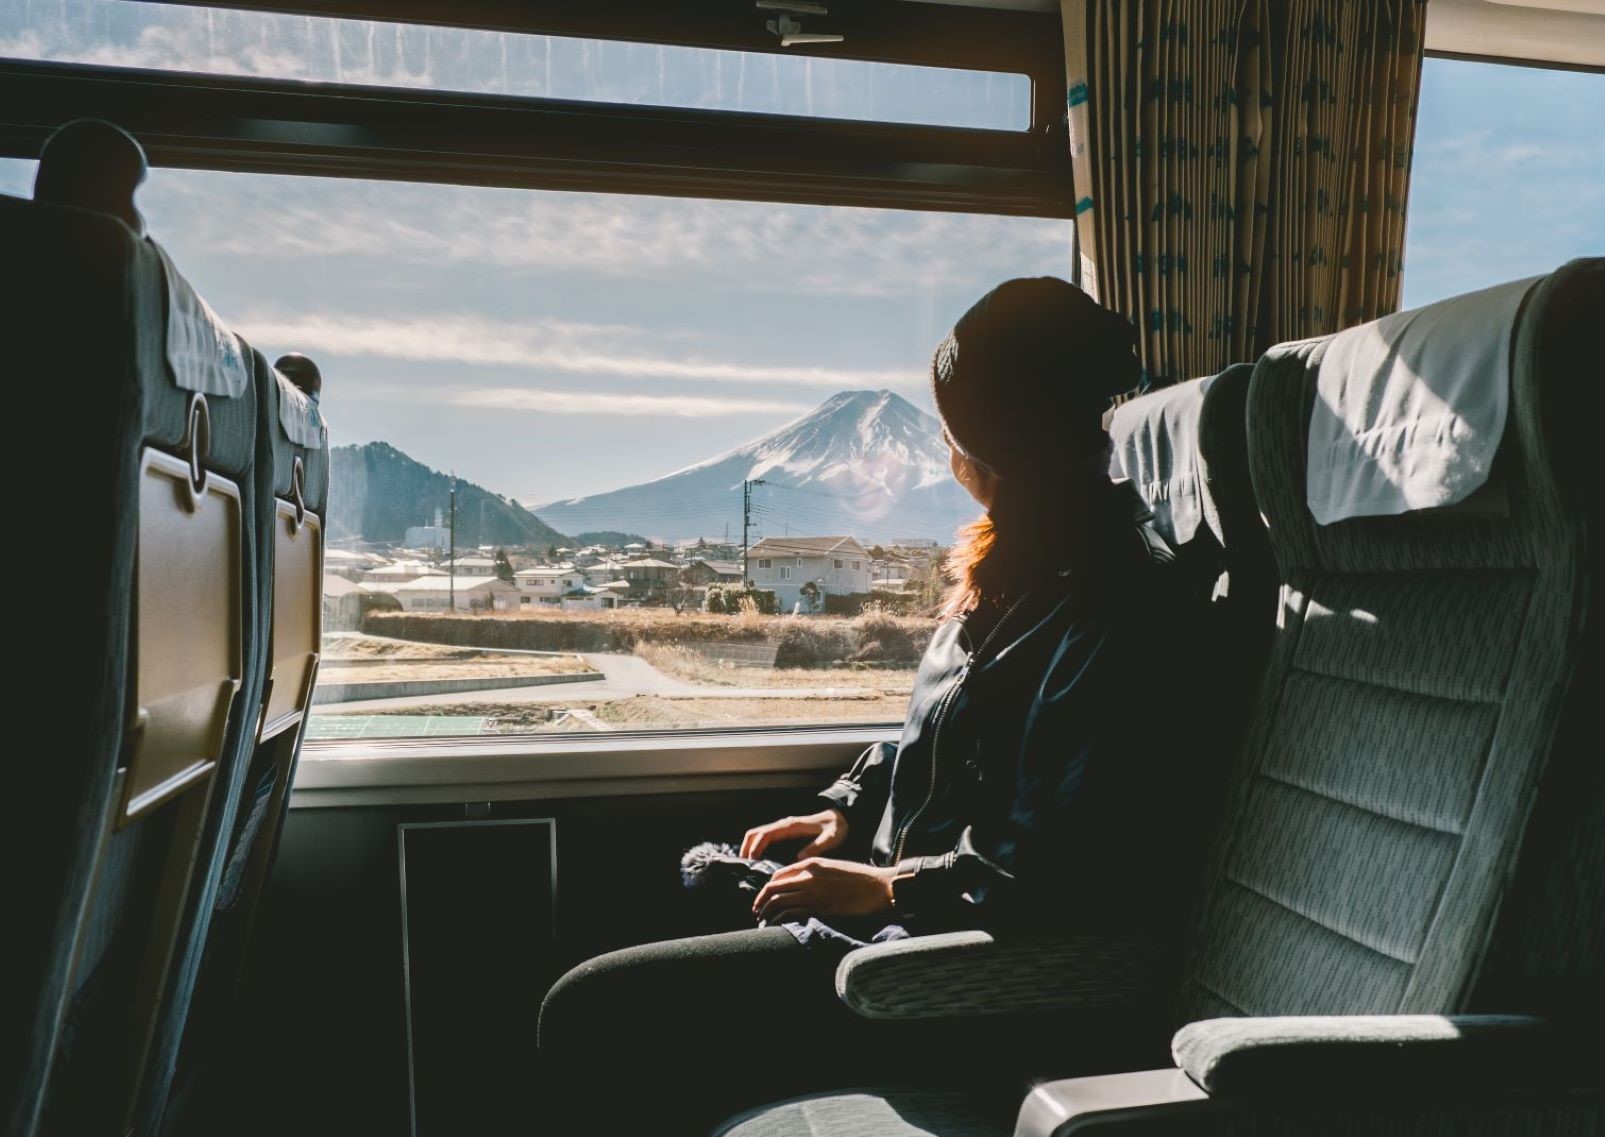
column 1241, row 167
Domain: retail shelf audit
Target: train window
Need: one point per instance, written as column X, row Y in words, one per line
column 185, row 38
column 1508, row 177
column 557, row 415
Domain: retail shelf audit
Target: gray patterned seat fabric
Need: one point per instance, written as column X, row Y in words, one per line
column 1417, row 676
column 880, row 1113
column 1414, row 786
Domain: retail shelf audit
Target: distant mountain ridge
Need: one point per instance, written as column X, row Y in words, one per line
column 376, row 493
column 865, row 464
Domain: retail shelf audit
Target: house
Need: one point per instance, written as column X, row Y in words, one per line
column 648, row 574
column 472, row 566
column 346, row 562
column 590, row 600
column 399, row 571
column 473, row 594
column 703, row 571
column 549, row 585
column 342, row 604
column 785, row 565
column 605, row 570
column 890, row 571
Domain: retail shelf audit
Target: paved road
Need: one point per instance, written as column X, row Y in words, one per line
column 623, row 677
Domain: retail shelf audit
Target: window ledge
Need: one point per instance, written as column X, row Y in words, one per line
column 529, row 767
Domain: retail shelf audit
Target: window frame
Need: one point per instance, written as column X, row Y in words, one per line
column 341, row 130
column 251, row 125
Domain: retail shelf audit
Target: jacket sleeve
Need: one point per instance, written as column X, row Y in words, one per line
column 1014, row 865
column 862, row 791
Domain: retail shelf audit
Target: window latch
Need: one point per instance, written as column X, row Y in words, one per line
column 790, row 29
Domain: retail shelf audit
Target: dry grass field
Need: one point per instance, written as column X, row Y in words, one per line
column 875, row 637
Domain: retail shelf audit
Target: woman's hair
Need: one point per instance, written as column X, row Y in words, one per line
column 1021, row 384
column 1029, row 530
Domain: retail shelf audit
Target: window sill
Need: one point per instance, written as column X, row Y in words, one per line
column 532, row 767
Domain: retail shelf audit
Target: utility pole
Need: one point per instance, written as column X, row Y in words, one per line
column 746, row 521
column 451, row 565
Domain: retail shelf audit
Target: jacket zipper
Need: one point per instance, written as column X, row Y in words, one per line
column 940, row 719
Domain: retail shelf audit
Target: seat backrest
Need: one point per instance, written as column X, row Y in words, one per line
column 162, row 677
column 1409, row 710
column 293, row 450
column 1185, row 450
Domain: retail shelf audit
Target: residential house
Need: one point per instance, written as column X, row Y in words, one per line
column 890, row 572
column 549, row 585
column 702, row 572
column 590, row 600
column 784, row 565
column 399, row 571
column 648, row 574
column 604, row 571
column 342, row 604
column 473, row 594
column 472, row 566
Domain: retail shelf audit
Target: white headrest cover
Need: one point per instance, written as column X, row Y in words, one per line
column 1410, row 408
column 299, row 416
column 202, row 354
column 1156, row 446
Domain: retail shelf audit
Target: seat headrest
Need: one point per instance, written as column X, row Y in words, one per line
column 1155, row 441
column 91, row 164
column 1409, row 409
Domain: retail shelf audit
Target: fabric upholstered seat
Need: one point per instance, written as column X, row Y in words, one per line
column 109, row 885
column 293, row 456
column 1414, row 823
column 169, row 514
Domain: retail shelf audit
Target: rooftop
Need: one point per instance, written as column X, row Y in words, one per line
column 805, row 547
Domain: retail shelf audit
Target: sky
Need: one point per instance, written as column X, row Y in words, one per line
column 548, row 345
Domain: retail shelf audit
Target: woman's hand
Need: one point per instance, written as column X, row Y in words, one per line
column 820, row 887
column 827, row 828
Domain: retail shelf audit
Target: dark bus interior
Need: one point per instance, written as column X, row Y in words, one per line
column 225, row 926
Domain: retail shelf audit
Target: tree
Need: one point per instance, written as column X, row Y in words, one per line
column 504, row 567
column 678, row 593
column 810, row 594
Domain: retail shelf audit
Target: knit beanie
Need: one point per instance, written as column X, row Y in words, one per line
column 1023, row 379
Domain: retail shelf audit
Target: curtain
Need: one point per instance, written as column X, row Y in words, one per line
column 1240, row 167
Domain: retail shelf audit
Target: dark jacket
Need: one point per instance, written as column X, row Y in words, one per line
column 1019, row 792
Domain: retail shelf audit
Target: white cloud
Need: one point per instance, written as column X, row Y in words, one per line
column 605, row 403
column 550, row 402
column 673, row 241
column 576, row 349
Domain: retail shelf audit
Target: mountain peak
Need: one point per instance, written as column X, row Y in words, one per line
column 864, row 463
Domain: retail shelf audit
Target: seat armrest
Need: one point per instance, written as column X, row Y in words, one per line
column 1373, row 1054
column 971, row 973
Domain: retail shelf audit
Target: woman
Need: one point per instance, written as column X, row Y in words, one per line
column 1022, row 791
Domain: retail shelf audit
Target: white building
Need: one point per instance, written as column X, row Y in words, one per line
column 890, row 571
column 436, row 536
column 592, row 599
column 604, row 571
column 836, row 566
column 472, row 566
column 399, row 571
column 549, row 585
column 473, row 594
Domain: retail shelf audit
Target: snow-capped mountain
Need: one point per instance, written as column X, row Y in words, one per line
column 864, row 464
